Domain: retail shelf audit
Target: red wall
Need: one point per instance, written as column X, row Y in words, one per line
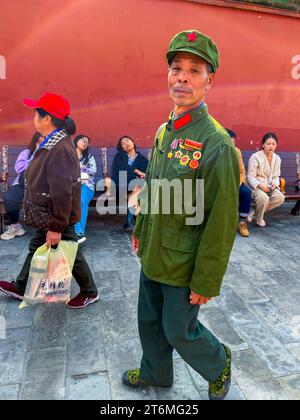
column 107, row 58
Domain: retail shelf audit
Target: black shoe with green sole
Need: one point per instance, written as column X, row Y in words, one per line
column 132, row 379
column 219, row 389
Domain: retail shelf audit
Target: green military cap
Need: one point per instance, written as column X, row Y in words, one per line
column 196, row 43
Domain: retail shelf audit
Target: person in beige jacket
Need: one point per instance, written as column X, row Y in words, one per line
column 264, row 178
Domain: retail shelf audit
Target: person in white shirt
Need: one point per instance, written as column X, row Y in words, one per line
column 88, row 170
column 264, row 178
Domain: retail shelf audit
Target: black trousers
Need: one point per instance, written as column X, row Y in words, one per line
column 12, row 204
column 297, row 206
column 81, row 271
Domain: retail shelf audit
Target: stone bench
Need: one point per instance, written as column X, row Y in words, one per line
column 104, row 159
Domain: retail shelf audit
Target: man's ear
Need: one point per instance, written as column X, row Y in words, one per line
column 211, row 78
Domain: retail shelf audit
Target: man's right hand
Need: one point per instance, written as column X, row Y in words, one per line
column 135, row 244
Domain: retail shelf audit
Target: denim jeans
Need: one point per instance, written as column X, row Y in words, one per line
column 86, row 196
column 13, row 202
column 245, row 200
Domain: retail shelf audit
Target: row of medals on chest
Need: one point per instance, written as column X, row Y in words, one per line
column 188, row 152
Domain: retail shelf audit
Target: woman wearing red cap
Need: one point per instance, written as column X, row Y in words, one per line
column 52, row 200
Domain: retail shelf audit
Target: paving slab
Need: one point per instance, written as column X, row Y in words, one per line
column 44, row 375
column 85, row 348
column 11, row 367
column 94, row 386
column 291, row 385
column 15, row 317
column 254, row 378
column 9, row 392
column 215, row 320
column 52, row 352
column 49, row 326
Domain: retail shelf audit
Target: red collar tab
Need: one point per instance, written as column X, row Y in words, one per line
column 181, row 122
column 192, row 37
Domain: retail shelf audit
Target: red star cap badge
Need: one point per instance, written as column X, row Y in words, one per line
column 192, row 37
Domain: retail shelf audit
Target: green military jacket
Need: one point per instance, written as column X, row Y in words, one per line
column 192, row 147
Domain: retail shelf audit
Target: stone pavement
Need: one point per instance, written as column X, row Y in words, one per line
column 52, row 352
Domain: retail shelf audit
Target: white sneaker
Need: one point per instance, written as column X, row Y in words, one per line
column 20, row 231
column 81, row 239
column 12, row 232
column 261, row 223
column 251, row 216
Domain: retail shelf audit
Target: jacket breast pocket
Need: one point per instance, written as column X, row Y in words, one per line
column 179, row 251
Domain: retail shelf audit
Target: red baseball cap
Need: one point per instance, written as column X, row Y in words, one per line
column 56, row 105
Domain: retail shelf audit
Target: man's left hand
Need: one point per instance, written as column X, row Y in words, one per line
column 53, row 238
column 196, row 299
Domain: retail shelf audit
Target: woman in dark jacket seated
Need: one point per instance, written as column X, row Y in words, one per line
column 128, row 160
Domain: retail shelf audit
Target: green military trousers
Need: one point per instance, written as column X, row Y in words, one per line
column 168, row 321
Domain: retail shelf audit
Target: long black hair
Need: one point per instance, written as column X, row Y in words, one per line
column 33, row 143
column 231, row 133
column 86, row 152
column 268, row 136
column 119, row 145
column 68, row 124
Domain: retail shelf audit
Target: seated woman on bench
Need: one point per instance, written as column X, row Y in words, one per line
column 135, row 165
column 13, row 199
column 88, row 169
column 263, row 177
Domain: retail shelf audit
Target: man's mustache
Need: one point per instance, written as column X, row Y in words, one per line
column 181, row 89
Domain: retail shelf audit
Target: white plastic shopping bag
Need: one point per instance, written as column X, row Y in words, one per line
column 50, row 274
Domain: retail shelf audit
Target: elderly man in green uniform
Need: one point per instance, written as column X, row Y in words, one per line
column 182, row 264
